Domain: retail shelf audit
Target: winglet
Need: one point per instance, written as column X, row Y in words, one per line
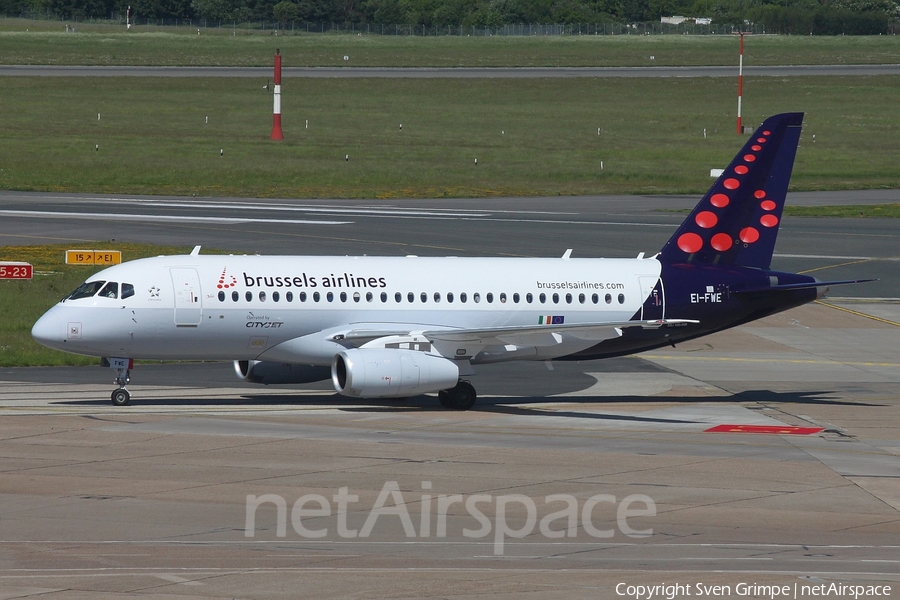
column 736, row 222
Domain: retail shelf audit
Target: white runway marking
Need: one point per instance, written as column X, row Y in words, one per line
column 167, row 218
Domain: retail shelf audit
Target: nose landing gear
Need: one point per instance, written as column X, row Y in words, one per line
column 123, row 366
column 121, row 396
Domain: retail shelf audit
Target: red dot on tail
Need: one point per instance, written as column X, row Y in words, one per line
column 690, row 242
column 731, row 183
column 741, row 170
column 756, row 147
column 706, row 219
column 749, row 157
column 761, row 140
column 768, row 220
column 767, row 133
column 719, row 200
column 749, row 235
column 759, row 194
column 721, row 242
column 767, row 205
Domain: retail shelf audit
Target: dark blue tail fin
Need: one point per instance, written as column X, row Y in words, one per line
column 737, row 221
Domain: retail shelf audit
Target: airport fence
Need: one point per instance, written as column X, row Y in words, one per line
column 520, row 29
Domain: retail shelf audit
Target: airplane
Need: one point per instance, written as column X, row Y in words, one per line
column 395, row 327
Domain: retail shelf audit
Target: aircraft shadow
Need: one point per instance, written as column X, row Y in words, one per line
column 514, row 406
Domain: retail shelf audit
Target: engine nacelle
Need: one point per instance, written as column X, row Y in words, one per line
column 391, row 373
column 267, row 372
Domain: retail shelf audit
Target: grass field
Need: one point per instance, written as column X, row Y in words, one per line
column 531, row 137
column 103, row 45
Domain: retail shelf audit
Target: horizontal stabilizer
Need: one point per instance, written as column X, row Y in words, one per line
column 802, row 286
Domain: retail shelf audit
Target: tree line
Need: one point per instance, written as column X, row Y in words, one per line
column 778, row 16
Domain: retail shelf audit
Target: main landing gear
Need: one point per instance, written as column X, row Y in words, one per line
column 121, row 396
column 460, row 397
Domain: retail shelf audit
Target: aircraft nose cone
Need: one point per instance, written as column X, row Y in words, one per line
column 49, row 330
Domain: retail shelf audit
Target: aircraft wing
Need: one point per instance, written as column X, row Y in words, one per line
column 545, row 335
column 519, row 335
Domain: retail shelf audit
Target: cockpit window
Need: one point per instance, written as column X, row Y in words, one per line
column 85, row 290
column 110, row 290
column 127, row 290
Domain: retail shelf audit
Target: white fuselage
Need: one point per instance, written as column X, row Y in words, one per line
column 291, row 308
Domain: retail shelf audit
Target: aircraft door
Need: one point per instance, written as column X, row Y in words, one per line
column 654, row 299
column 188, row 306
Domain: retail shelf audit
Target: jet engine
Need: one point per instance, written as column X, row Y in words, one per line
column 391, row 373
column 268, row 372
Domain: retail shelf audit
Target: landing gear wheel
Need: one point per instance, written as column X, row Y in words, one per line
column 120, row 397
column 460, row 397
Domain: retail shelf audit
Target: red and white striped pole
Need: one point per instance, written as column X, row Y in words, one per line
column 740, row 128
column 276, row 116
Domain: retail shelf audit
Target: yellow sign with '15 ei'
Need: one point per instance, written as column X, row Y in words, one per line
column 93, row 257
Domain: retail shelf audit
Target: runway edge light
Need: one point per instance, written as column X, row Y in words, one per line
column 276, row 116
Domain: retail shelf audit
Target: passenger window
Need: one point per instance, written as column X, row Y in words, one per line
column 595, row 298
column 555, row 298
column 356, row 296
column 398, row 296
column 516, row 297
column 276, row 296
column 384, row 296
column 449, row 296
column 581, row 298
column 608, row 299
column 249, row 296
column 424, row 297
column 502, row 298
column 262, row 296
column 111, row 290
column 235, row 296
column 316, row 296
column 127, row 290
column 437, row 296
column 330, row 296
column 289, row 297
column 343, row 296
column 568, row 298
column 302, row 296
column 621, row 298
column 489, row 297
column 411, row 297
column 221, row 296
column 476, row 297
column 463, row 298
column 542, row 298
column 529, row 298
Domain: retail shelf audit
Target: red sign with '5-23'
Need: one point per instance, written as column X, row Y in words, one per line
column 16, row 270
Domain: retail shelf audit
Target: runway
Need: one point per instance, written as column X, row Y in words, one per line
column 158, row 498
column 608, row 226
column 449, row 72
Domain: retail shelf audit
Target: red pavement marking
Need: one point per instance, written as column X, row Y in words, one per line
column 771, row 429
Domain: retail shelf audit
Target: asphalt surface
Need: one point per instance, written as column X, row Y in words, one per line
column 597, row 226
column 158, row 498
column 452, row 72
